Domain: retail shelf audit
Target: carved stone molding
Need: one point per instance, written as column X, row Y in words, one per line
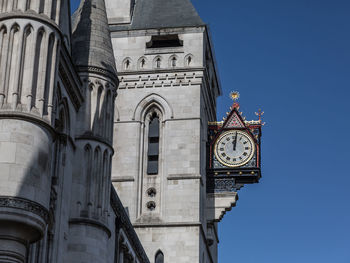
column 217, row 185
column 26, row 205
column 100, row 71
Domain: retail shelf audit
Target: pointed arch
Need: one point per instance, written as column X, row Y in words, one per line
column 13, row 64
column 50, row 67
column 157, row 62
column 108, row 115
column 173, row 61
column 127, row 63
column 159, row 257
column 27, row 65
column 150, row 101
column 63, row 116
column 89, row 105
column 96, row 178
column 153, row 119
column 37, row 65
column 188, row 60
column 104, row 183
column 88, row 173
column 4, row 40
column 142, row 63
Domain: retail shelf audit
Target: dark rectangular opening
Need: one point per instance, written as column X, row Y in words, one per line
column 164, row 41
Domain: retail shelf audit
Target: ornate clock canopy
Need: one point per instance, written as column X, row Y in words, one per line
column 233, row 151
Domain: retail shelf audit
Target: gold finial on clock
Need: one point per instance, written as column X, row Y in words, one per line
column 234, row 95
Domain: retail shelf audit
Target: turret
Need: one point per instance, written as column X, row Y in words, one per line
column 93, row 56
column 31, row 37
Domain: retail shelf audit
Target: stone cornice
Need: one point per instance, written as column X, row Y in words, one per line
column 148, row 79
column 29, row 14
column 26, row 205
column 100, row 71
column 165, row 70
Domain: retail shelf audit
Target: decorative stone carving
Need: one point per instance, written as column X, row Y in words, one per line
column 25, row 204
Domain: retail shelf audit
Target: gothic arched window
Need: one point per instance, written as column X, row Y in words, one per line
column 143, row 62
column 173, row 62
column 189, row 61
column 127, row 64
column 158, row 62
column 153, row 145
column 159, row 257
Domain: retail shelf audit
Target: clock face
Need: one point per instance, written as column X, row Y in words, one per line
column 234, row 148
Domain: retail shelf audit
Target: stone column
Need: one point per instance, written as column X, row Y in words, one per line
column 29, row 53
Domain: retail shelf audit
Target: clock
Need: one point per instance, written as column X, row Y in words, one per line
column 234, row 148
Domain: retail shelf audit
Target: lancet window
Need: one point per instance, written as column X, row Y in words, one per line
column 153, row 144
column 127, row 64
column 159, row 258
column 173, row 62
column 158, row 62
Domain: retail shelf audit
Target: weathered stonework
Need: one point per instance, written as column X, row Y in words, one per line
column 69, row 145
column 56, row 108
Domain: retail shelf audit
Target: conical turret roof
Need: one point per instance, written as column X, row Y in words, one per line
column 157, row 14
column 91, row 41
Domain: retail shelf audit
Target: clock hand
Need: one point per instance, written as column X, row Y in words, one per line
column 235, row 143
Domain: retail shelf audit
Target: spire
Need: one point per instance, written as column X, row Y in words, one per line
column 91, row 42
column 155, row 14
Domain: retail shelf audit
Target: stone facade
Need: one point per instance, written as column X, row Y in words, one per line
column 56, row 131
column 168, row 69
column 70, row 144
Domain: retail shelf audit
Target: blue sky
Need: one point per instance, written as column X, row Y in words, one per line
column 292, row 59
